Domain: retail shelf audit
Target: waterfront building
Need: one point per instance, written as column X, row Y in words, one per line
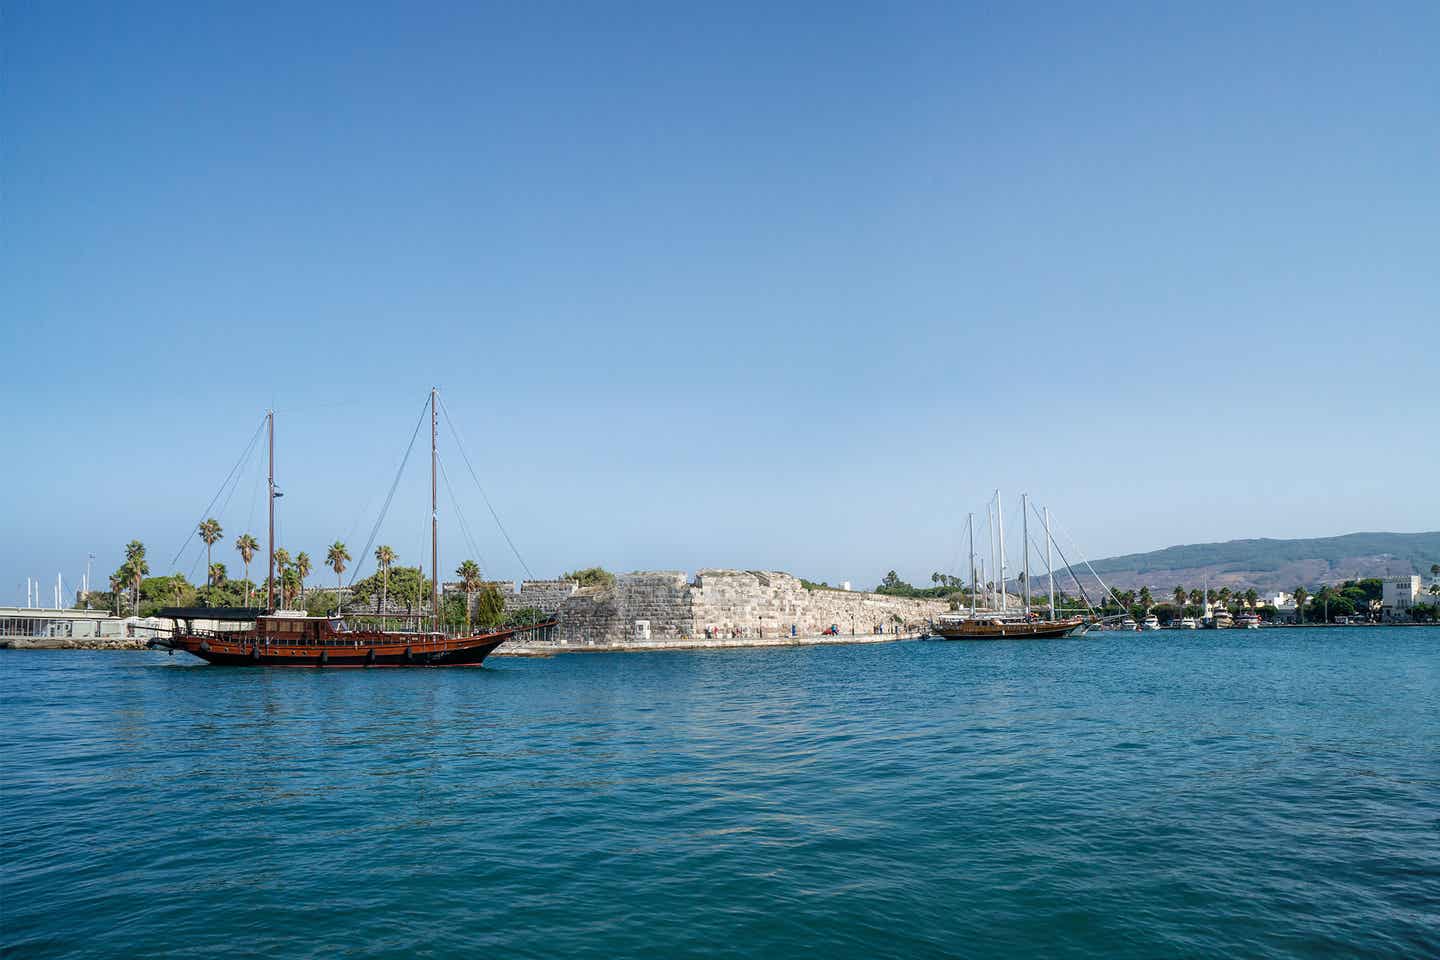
column 36, row 623
column 1398, row 595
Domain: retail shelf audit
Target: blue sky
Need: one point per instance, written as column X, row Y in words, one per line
column 756, row 287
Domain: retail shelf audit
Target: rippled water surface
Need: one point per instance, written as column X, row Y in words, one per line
column 1248, row 793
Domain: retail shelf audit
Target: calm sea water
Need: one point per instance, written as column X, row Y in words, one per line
column 1258, row 794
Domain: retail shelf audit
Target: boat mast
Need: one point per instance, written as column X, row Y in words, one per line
column 1000, row 570
column 1025, row 544
column 970, row 524
column 270, row 580
column 1049, row 570
column 434, row 522
column 990, row 542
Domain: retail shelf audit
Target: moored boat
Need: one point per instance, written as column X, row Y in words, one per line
column 271, row 637
column 251, row 638
column 1248, row 621
column 986, row 627
column 1188, row 623
column 1151, row 622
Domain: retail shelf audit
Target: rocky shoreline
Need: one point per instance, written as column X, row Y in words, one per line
column 71, row 643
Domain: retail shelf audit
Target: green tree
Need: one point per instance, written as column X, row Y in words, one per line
column 211, row 533
column 1197, row 598
column 336, row 558
column 117, row 584
column 247, row 545
column 1146, row 599
column 282, row 567
column 1179, row 596
column 1251, row 598
column 469, row 574
column 136, row 567
column 290, row 588
column 1300, row 594
column 489, row 607
column 591, row 577
column 302, row 570
column 384, row 559
column 321, row 603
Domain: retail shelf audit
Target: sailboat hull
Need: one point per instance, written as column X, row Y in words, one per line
column 1012, row 629
column 381, row 651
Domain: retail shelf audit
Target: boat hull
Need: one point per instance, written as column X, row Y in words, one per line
column 1012, row 630
column 386, row 652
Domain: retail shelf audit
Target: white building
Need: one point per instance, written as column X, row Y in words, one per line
column 1280, row 600
column 1398, row 595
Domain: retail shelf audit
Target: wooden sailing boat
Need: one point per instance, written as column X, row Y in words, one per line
column 283, row 638
column 1005, row 624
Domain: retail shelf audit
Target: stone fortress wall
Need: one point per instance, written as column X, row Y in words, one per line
column 658, row 608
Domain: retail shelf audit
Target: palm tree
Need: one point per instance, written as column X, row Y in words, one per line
column 469, row 574
column 1196, row 598
column 282, row 563
column 210, row 532
column 336, row 558
column 302, row 570
column 117, row 583
column 1146, row 599
column 177, row 583
column 136, row 567
column 1252, row 598
column 1224, row 596
column 1300, row 596
column 217, row 574
column 1179, row 596
column 290, row 583
column 384, row 557
column 247, row 546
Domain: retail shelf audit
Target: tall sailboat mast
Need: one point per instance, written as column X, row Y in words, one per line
column 990, row 535
column 270, row 580
column 1049, row 570
column 1025, row 544
column 970, row 524
column 434, row 518
column 1000, row 570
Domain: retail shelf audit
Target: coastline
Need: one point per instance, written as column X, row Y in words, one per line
column 551, row 649
column 525, row 650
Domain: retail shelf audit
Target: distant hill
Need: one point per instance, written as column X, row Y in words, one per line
column 1269, row 564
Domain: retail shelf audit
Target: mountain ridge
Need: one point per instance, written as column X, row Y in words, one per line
column 1267, row 563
